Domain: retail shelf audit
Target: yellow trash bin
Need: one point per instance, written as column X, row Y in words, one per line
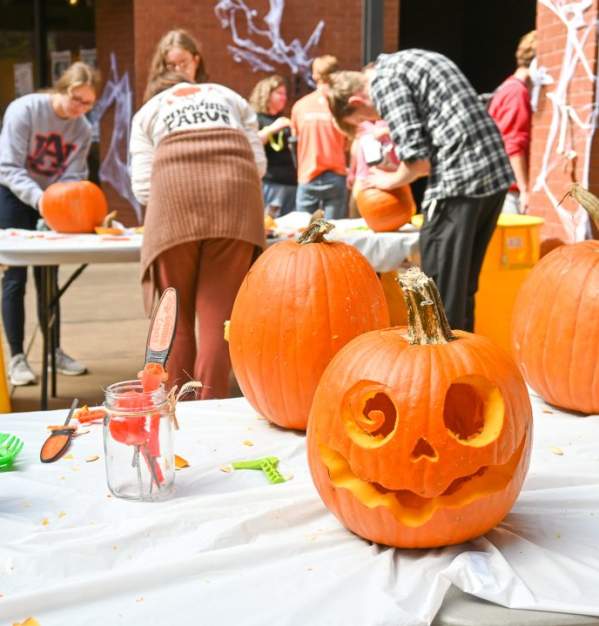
column 513, row 250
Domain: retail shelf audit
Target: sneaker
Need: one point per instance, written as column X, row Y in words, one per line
column 68, row 365
column 19, row 371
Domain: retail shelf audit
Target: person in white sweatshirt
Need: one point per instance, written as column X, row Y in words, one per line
column 45, row 138
column 196, row 163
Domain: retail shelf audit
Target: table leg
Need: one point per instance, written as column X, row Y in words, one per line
column 53, row 325
column 44, row 320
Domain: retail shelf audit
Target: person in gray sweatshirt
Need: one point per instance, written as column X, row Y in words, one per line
column 45, row 138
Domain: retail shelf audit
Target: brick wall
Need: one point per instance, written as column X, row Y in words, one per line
column 562, row 166
column 131, row 29
column 114, row 34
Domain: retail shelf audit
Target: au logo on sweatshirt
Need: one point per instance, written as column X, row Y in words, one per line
column 50, row 154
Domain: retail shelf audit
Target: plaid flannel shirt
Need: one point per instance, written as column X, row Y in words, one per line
column 434, row 113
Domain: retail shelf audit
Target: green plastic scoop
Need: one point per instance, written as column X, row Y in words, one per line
column 10, row 446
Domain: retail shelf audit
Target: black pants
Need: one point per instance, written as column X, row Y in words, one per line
column 17, row 214
column 453, row 242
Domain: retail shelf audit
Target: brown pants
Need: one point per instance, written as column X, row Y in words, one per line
column 207, row 274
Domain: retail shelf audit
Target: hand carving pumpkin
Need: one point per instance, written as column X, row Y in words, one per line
column 74, row 206
column 420, row 437
column 298, row 305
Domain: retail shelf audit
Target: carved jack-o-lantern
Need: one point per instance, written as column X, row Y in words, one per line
column 418, row 437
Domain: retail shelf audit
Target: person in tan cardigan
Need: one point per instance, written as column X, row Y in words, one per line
column 196, row 163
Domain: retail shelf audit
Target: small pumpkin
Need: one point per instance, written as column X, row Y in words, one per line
column 298, row 305
column 386, row 210
column 420, row 437
column 74, row 206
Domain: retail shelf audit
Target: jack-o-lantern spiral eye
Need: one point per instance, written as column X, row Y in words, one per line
column 370, row 414
column 473, row 411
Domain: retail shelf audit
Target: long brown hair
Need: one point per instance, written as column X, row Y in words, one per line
column 177, row 38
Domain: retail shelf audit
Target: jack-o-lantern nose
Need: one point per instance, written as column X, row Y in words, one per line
column 423, row 449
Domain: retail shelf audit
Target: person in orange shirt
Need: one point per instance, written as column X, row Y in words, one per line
column 321, row 148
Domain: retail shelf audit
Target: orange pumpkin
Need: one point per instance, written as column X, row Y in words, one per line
column 398, row 313
column 555, row 327
column 419, row 437
column 386, row 210
column 298, row 305
column 74, row 206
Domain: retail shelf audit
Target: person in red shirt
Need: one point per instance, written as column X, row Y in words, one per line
column 321, row 148
column 511, row 110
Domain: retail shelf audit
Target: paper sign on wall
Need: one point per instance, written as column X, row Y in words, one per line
column 88, row 55
column 23, row 78
column 60, row 60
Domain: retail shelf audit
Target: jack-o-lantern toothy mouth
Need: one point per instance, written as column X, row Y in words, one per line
column 409, row 508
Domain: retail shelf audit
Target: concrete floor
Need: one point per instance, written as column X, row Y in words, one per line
column 103, row 325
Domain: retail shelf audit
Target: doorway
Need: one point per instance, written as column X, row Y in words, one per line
column 479, row 36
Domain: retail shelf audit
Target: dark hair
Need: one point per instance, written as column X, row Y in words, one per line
column 162, row 82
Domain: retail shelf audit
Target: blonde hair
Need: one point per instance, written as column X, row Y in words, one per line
column 177, row 38
column 342, row 86
column 527, row 49
column 260, row 95
column 77, row 75
column 323, row 66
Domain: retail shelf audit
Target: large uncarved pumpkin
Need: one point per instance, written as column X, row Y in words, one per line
column 298, row 305
column 74, row 206
column 555, row 327
column 386, row 210
column 420, row 437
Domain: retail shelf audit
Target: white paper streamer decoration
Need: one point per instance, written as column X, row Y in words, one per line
column 235, row 13
column 114, row 169
column 567, row 120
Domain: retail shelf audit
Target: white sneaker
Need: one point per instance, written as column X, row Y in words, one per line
column 67, row 365
column 19, row 371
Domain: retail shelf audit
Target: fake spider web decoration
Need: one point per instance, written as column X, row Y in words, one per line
column 232, row 13
column 114, row 168
column 569, row 121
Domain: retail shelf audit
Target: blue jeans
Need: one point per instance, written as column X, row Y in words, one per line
column 16, row 214
column 327, row 191
column 280, row 198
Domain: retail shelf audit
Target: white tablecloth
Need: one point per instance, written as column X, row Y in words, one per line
column 385, row 251
column 30, row 247
column 230, row 548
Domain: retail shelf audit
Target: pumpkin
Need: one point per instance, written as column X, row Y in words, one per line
column 74, row 206
column 398, row 313
column 386, row 210
column 555, row 327
column 298, row 305
column 420, row 436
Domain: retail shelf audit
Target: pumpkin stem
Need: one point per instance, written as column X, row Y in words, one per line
column 587, row 200
column 427, row 322
column 316, row 231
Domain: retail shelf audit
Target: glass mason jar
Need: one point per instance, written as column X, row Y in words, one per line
column 138, row 442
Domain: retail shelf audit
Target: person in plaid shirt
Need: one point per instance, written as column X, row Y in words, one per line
column 441, row 130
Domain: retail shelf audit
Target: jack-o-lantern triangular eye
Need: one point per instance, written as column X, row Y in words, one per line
column 474, row 410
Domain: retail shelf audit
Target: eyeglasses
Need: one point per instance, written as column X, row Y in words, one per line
column 85, row 104
column 175, row 67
